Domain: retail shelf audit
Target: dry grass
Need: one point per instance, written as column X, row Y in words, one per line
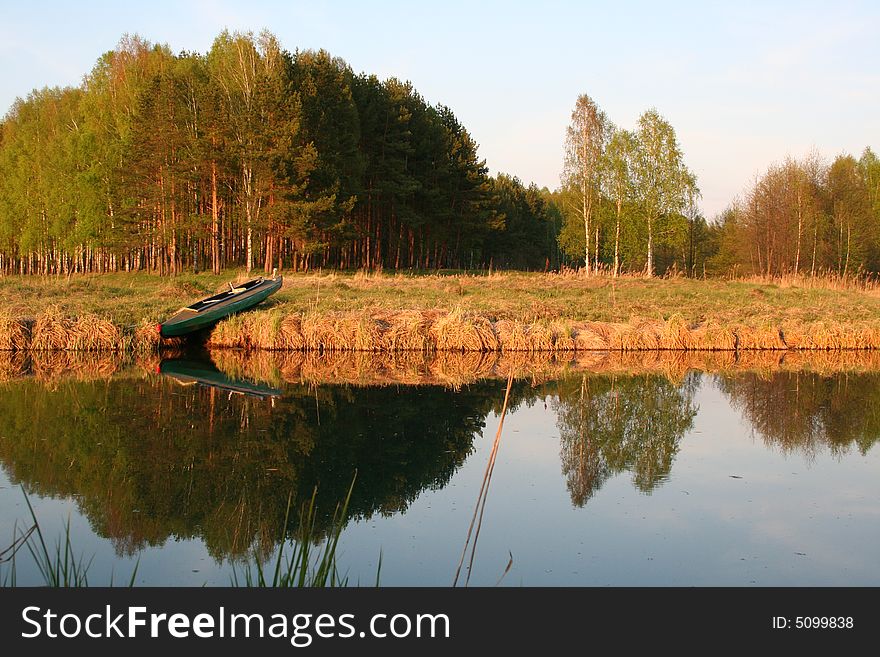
column 456, row 331
column 289, row 336
column 53, row 331
column 340, row 332
column 14, row 333
column 405, row 331
column 513, row 336
column 506, row 311
column 459, row 331
column 429, row 331
column 712, row 336
column 145, row 338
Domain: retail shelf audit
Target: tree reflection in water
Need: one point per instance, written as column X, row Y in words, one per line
column 807, row 411
column 148, row 459
column 611, row 424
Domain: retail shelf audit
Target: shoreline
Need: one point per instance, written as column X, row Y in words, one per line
column 503, row 312
column 432, row 331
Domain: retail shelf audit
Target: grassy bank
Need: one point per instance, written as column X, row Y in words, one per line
column 511, row 312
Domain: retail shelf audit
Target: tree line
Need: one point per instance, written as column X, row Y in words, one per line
column 252, row 155
column 629, row 203
column 804, row 217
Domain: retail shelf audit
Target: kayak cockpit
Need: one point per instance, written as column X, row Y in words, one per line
column 225, row 296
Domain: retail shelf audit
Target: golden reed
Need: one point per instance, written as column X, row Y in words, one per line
column 458, row 331
column 435, row 331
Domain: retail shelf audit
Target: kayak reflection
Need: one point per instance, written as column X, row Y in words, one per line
column 189, row 372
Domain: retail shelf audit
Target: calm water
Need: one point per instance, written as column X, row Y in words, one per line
column 698, row 479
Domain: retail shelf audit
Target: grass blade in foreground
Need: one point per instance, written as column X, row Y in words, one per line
column 300, row 568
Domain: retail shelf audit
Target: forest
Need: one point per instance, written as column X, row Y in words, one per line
column 630, row 203
column 254, row 156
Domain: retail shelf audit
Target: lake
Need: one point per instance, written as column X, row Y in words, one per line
column 651, row 471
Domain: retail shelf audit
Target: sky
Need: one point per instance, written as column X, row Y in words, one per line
column 744, row 84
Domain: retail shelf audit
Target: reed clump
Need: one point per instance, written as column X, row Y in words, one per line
column 377, row 330
column 405, row 331
column 457, row 331
column 821, row 336
column 586, row 338
column 342, row 332
column 91, row 333
column 676, row 335
column 145, row 338
column 15, row 333
column 289, row 336
column 642, row 335
column 710, row 336
column 513, row 336
column 231, row 333
column 764, row 337
column 53, row 331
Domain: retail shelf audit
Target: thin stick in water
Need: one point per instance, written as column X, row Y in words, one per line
column 484, row 489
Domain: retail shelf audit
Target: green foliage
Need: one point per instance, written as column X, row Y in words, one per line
column 625, row 195
column 245, row 155
column 525, row 227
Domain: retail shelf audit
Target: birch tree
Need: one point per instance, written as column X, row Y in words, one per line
column 245, row 69
column 585, row 141
column 850, row 214
column 663, row 182
column 618, row 165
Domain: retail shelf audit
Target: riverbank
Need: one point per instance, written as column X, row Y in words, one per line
column 503, row 312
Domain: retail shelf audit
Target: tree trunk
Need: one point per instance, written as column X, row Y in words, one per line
column 215, row 222
column 813, row 263
column 617, row 241
column 797, row 257
column 586, row 213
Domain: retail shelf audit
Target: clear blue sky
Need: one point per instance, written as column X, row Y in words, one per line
column 744, row 84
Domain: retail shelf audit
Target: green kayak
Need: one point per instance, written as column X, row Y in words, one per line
column 208, row 311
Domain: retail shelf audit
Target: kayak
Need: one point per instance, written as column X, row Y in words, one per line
column 211, row 310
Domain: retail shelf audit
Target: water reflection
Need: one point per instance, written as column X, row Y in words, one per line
column 608, row 425
column 805, row 412
column 149, row 460
column 189, row 371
